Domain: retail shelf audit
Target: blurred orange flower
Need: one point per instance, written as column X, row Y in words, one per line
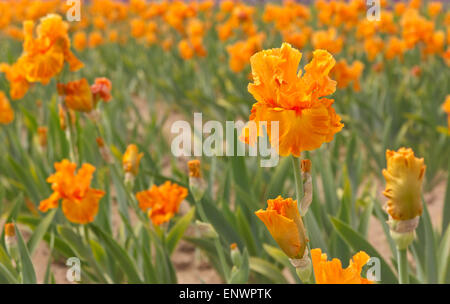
column 395, row 48
column 16, row 75
column 327, row 40
column 331, row 272
column 306, row 120
column 241, row 51
column 373, row 46
column 79, row 200
column 434, row 8
column 161, row 202
column 345, row 73
column 185, row 49
column 95, row 39
column 80, row 41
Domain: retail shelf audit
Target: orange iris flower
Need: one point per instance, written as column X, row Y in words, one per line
column 79, row 200
column 285, row 224
column 45, row 55
column 306, row 120
column 331, row 272
column 162, row 202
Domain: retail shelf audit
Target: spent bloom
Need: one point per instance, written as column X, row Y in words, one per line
column 306, row 119
column 285, row 224
column 79, row 200
column 161, row 202
column 404, row 175
column 101, row 89
column 77, row 95
column 331, row 272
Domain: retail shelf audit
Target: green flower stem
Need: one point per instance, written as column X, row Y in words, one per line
column 299, row 193
column 217, row 244
column 402, row 261
column 70, row 135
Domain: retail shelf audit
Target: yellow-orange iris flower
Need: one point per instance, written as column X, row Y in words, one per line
column 285, row 224
column 331, row 272
column 79, row 200
column 131, row 159
column 306, row 120
column 6, row 112
column 404, row 176
column 162, row 202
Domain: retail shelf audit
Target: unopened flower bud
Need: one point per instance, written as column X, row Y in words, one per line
column 236, row 257
column 197, row 184
column 11, row 240
column 206, row 230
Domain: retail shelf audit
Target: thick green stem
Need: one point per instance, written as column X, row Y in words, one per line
column 299, row 193
column 298, row 178
column 402, row 261
column 217, row 244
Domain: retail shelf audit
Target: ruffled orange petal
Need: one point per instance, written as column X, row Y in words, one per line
column 83, row 211
column 50, row 203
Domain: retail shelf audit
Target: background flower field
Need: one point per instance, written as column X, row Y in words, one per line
column 159, row 62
